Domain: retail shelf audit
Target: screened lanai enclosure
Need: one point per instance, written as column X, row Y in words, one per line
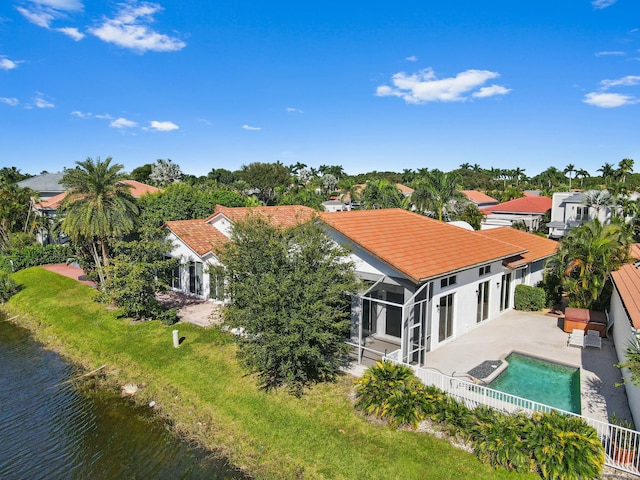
column 391, row 318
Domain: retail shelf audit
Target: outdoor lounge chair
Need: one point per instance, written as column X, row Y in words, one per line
column 576, row 338
column 592, row 339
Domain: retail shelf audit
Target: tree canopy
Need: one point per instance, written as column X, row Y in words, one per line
column 289, row 292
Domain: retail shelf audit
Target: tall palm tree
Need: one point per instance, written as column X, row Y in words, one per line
column 434, row 191
column 582, row 174
column 607, row 171
column 625, row 167
column 569, row 169
column 586, row 257
column 98, row 206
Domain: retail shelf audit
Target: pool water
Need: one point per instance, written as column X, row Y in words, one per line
column 541, row 381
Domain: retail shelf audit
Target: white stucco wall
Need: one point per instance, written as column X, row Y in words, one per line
column 186, row 255
column 623, row 333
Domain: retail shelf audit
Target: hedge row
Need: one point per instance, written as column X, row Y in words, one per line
column 35, row 255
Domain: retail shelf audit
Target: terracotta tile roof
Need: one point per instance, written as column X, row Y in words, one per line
column 537, row 247
column 419, row 247
column 478, row 197
column 532, row 204
column 51, row 203
column 282, row 216
column 627, row 283
column 201, row 237
column 139, row 189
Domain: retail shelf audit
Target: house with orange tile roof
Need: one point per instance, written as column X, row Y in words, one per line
column 529, row 209
column 429, row 282
column 49, row 200
column 624, row 314
column 195, row 243
column 480, row 199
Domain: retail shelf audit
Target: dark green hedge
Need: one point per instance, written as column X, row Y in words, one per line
column 531, row 299
column 34, row 256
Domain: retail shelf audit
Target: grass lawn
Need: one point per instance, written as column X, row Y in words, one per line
column 208, row 397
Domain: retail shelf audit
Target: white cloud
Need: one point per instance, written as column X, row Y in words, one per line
column 12, row 102
column 79, row 114
column 628, row 81
column 39, row 101
column 163, row 126
column 412, row 58
column 600, row 4
column 43, row 12
column 74, row 33
column 129, row 29
column 294, row 110
column 608, row 100
column 6, row 64
column 609, row 54
column 249, row 127
column 424, row 86
column 37, row 17
column 123, row 123
column 491, row 91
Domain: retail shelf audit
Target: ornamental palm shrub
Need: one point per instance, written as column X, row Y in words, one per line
column 391, row 392
column 564, row 446
column 500, row 442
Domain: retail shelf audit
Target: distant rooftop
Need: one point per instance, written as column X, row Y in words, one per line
column 47, row 182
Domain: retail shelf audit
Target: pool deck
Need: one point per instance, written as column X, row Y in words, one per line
column 541, row 336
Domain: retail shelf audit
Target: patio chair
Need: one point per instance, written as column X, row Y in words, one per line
column 592, row 339
column 576, row 338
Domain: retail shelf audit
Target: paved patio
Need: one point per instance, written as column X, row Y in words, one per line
column 542, row 336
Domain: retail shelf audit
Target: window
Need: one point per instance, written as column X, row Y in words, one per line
column 195, row 278
column 582, row 213
column 447, row 282
column 216, row 283
column 485, row 270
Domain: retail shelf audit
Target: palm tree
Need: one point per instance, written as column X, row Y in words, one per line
column 435, row 191
column 607, row 171
column 598, row 199
column 586, row 257
column 518, row 174
column 582, row 174
column 571, row 168
column 465, row 166
column 98, row 206
column 381, row 194
column 625, row 167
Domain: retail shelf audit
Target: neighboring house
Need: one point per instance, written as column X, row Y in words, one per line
column 336, row 206
column 480, row 199
column 625, row 316
column 47, row 203
column 429, row 282
column 195, row 243
column 530, row 210
column 47, row 185
column 569, row 210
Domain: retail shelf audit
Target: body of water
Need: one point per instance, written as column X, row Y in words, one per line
column 52, row 430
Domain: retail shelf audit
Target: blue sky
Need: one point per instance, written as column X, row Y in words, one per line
column 366, row 85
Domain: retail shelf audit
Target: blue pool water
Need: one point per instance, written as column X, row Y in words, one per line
column 541, row 381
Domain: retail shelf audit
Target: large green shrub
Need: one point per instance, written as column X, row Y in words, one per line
column 530, row 299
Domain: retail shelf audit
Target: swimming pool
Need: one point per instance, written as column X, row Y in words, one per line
column 542, row 381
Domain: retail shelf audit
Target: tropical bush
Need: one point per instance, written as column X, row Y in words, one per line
column 529, row 299
column 549, row 444
column 8, row 286
column 392, row 392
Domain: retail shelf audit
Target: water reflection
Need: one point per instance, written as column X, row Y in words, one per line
column 49, row 429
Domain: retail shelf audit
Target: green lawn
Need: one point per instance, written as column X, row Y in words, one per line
column 207, row 395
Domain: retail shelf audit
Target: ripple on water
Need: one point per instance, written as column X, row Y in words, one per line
column 51, row 430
